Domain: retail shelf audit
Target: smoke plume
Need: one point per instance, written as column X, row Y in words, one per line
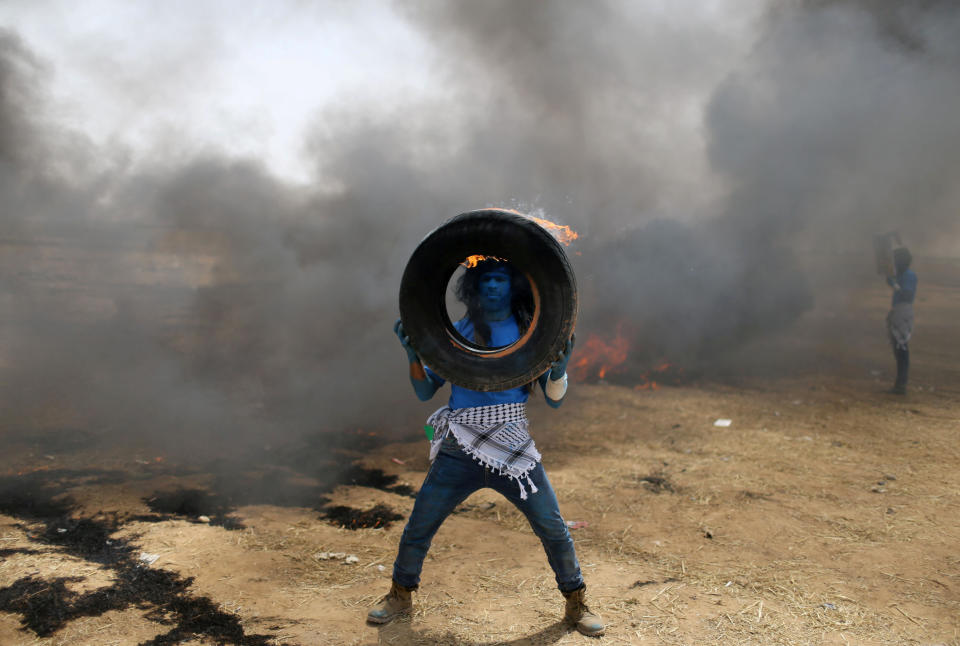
column 198, row 297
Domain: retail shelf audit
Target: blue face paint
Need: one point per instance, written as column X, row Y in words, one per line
column 495, row 291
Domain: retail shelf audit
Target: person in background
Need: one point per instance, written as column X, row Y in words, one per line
column 481, row 439
column 903, row 280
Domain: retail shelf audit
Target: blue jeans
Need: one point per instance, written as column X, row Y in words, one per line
column 453, row 476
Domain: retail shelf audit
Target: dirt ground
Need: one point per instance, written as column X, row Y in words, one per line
column 827, row 512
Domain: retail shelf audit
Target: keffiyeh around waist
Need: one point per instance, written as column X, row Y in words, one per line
column 900, row 324
column 496, row 436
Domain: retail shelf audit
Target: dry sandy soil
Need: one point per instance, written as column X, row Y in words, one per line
column 828, row 512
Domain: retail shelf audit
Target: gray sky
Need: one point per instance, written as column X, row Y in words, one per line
column 251, row 79
column 246, row 78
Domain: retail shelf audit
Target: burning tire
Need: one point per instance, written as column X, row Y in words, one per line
column 535, row 253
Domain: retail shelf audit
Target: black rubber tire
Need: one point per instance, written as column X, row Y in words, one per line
column 534, row 252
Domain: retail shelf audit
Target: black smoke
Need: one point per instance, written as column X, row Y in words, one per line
column 198, row 298
column 200, row 303
column 838, row 125
column 834, row 125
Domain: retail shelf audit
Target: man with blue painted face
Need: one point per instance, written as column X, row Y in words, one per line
column 481, row 439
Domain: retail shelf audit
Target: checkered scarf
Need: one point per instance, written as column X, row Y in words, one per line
column 496, row 436
column 900, row 324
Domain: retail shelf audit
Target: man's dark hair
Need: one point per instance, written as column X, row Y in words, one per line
column 902, row 259
column 468, row 293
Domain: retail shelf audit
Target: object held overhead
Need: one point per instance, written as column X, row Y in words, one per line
column 534, row 252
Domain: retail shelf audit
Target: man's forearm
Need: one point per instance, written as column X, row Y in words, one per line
column 422, row 384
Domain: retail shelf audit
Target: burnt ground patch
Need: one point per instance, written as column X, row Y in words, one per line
column 47, row 604
column 30, row 499
column 192, row 504
column 8, row 552
column 277, row 487
column 87, row 538
column 376, row 479
column 299, row 476
column 41, row 493
column 43, row 604
column 296, row 476
column 352, row 518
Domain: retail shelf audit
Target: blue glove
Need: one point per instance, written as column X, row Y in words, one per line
column 559, row 367
column 405, row 341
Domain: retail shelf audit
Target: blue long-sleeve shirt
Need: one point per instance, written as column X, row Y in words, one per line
column 503, row 333
column 907, row 281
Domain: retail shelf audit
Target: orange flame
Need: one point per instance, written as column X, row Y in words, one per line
column 664, row 368
column 599, row 357
column 564, row 234
column 561, row 232
column 476, row 259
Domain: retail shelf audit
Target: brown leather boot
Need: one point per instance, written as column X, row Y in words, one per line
column 579, row 615
column 397, row 602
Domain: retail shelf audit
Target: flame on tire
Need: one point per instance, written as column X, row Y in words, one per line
column 476, row 259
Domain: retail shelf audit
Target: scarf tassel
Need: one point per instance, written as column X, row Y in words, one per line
column 501, row 472
column 533, row 487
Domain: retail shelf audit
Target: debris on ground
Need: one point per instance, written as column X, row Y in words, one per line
column 397, row 461
column 348, row 559
column 656, row 483
column 577, row 524
column 723, row 422
column 147, row 558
